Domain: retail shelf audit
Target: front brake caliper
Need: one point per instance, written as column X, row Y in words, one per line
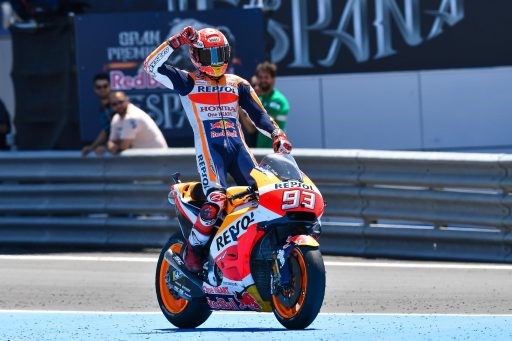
column 281, row 268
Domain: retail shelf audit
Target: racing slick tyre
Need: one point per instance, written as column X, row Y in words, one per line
column 180, row 312
column 298, row 306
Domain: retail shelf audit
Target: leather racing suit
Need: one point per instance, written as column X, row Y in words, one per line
column 211, row 106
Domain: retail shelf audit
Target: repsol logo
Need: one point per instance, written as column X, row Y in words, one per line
column 293, row 184
column 202, row 170
column 207, row 88
column 232, row 233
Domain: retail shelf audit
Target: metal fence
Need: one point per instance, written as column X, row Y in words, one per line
column 379, row 203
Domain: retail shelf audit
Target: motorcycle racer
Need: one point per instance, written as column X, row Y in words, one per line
column 211, row 100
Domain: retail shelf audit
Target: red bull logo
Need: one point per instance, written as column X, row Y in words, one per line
column 222, row 124
column 120, row 81
column 246, row 301
column 223, row 133
column 242, row 301
column 222, row 304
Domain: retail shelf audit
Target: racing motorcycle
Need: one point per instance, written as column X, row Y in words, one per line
column 263, row 255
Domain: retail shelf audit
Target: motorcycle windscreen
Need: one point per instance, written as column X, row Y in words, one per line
column 283, row 166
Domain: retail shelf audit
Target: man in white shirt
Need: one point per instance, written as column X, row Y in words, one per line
column 131, row 127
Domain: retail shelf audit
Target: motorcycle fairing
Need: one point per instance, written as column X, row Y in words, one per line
column 232, row 244
column 292, row 197
column 239, row 203
column 236, row 225
column 183, row 200
column 263, row 177
column 303, row 239
column 235, row 297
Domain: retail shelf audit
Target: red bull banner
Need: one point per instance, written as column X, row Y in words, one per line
column 118, row 43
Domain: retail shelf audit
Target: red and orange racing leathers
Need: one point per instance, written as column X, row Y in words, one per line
column 211, row 106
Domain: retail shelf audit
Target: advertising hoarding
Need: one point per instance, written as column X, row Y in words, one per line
column 118, row 43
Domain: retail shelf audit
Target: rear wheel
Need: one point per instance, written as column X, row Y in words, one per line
column 180, row 312
column 298, row 306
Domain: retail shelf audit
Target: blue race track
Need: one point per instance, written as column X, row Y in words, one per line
column 20, row 325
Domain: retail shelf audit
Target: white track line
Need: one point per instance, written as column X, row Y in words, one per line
column 80, row 258
column 426, row 265
column 362, row 264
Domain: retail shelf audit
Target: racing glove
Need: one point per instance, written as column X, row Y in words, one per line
column 187, row 36
column 281, row 143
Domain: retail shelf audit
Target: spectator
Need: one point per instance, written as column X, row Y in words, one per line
column 255, row 84
column 131, row 127
column 5, row 126
column 272, row 99
column 102, row 90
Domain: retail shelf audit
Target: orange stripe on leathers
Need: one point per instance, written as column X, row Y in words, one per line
column 158, row 49
column 204, row 144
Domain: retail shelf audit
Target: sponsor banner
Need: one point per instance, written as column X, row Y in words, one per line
column 118, row 43
column 349, row 36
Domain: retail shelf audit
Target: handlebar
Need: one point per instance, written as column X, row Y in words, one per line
column 250, row 190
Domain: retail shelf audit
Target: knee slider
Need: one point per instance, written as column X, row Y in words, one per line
column 210, row 211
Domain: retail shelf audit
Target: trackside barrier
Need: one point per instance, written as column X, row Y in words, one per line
column 379, row 203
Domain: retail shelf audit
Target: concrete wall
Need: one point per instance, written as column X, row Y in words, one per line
column 467, row 109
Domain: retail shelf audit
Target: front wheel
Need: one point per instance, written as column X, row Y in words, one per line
column 180, row 312
column 298, row 306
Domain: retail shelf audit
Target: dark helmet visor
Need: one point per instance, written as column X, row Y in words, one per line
column 214, row 55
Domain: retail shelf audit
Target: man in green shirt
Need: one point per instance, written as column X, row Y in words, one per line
column 272, row 99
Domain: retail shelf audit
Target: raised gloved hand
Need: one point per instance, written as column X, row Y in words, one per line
column 281, row 143
column 187, row 36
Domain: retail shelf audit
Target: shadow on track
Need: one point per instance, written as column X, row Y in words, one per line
column 224, row 330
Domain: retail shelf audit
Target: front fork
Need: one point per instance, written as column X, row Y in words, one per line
column 281, row 274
